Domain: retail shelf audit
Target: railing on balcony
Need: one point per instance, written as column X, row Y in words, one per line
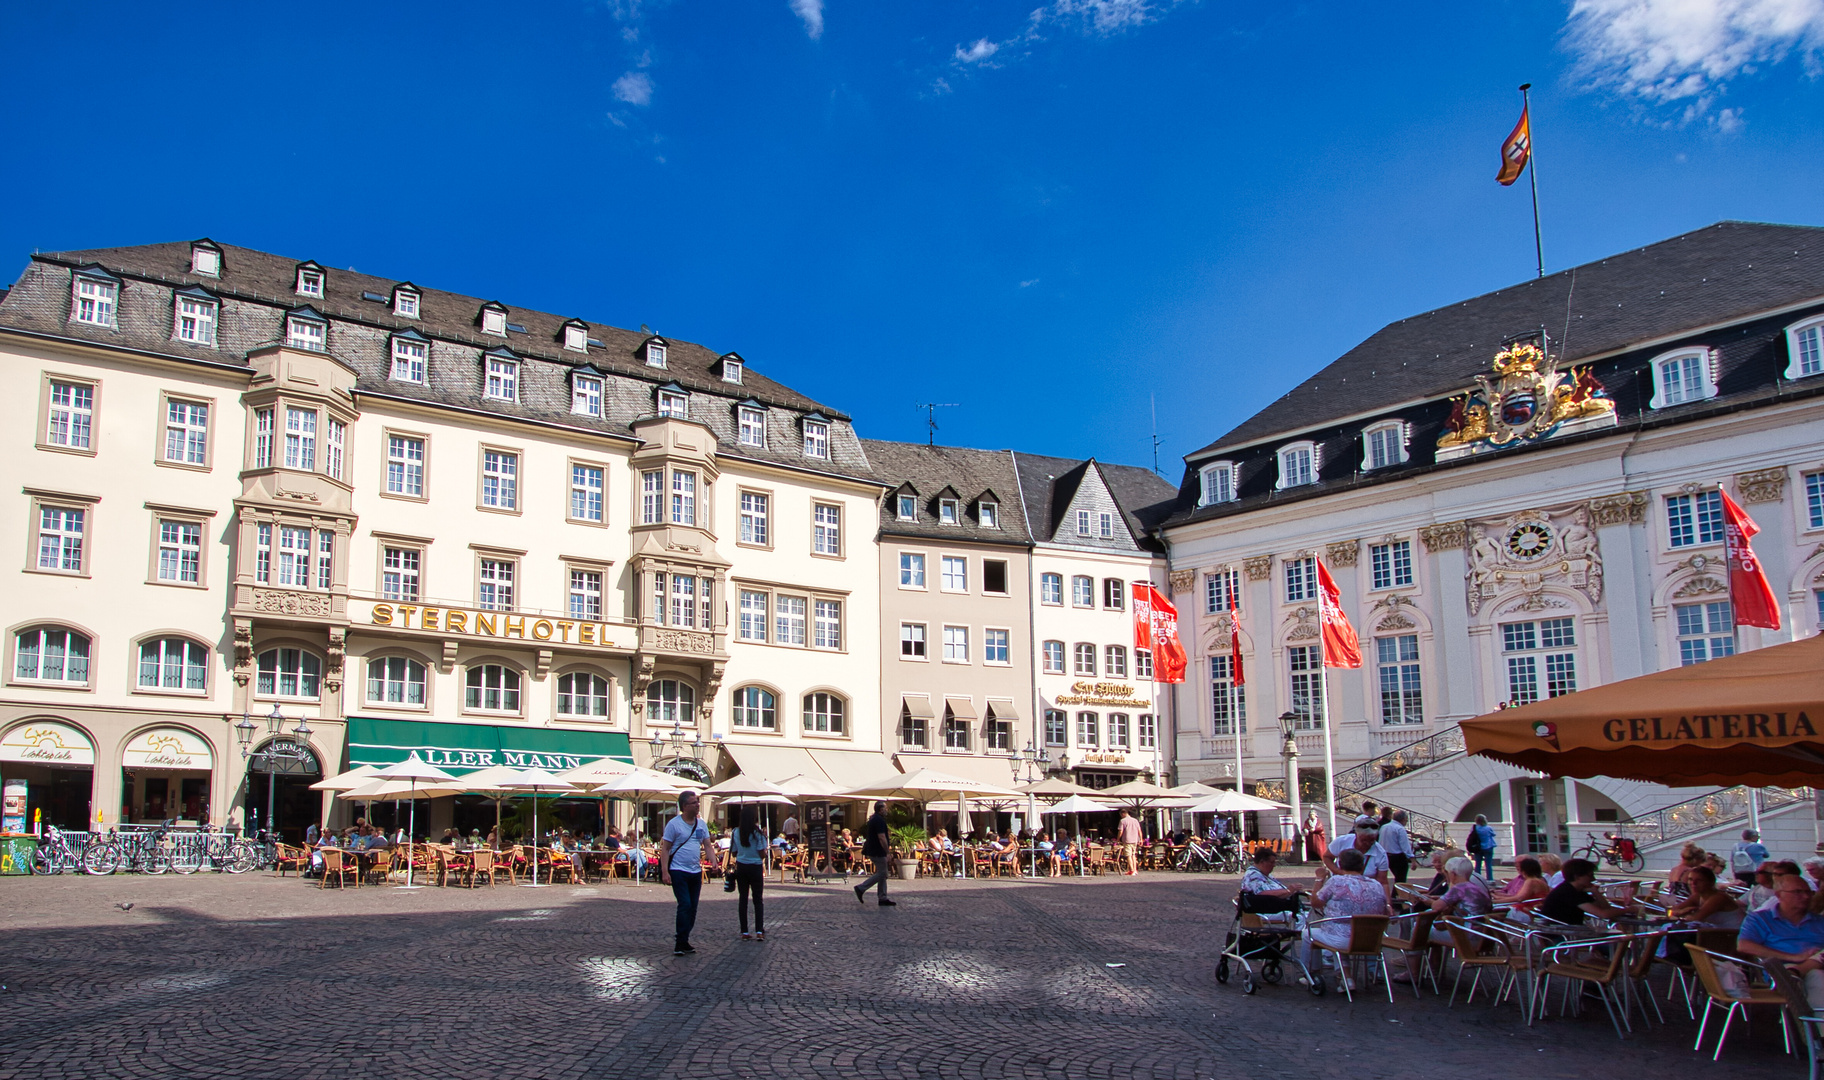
column 1702, row 814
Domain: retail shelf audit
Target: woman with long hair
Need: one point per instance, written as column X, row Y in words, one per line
column 749, row 847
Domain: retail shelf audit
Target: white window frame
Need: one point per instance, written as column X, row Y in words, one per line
column 308, row 334
column 401, row 572
column 683, row 497
column 956, row 644
column 40, row 654
column 753, row 708
column 588, row 493
column 411, row 360
column 1392, row 570
column 94, row 301
column 594, row 700
column 179, row 559
column 674, row 404
column 335, row 449
column 790, row 614
column 1298, row 465
column 186, row 432
column 756, row 514
column 310, row 282
column 1217, row 483
column 912, row 570
column 495, row 580
column 826, row 529
column 1082, row 522
column 494, row 321
column 652, row 496
column 1300, row 586
column 175, row 664
column 914, row 641
column 1082, row 591
column 1051, row 589
column 732, row 370
column 406, row 303
column 824, row 713
column 1083, row 660
column 1400, row 679
column 576, row 338
column 1392, row 436
column 393, row 681
column 1684, row 512
column 817, row 440
column 953, row 573
column 997, row 639
column 405, row 463
column 826, row 623
column 193, row 320
column 949, row 512
column 301, row 428
column 1531, row 659
column 585, row 395
column 305, row 677
column 501, row 381
column 501, row 682
column 1814, row 500
column 499, row 479
column 1219, row 587
column 1051, row 658
column 905, row 507
column 1105, row 525
column 1705, row 631
column 69, row 414
column 655, row 354
column 1228, row 703
column 988, row 514
column 751, row 426
column 584, row 598
column 1805, row 345
column 755, row 609
column 206, row 261
column 1666, row 395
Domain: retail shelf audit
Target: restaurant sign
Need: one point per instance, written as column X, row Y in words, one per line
column 501, row 625
column 43, row 742
column 1104, row 759
column 1730, row 726
column 1102, row 693
column 167, row 748
column 464, row 748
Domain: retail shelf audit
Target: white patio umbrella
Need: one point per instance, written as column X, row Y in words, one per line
column 396, row 789
column 1233, row 802
column 421, row 775
column 1077, row 804
column 642, row 785
column 536, row 781
column 495, row 781
column 591, row 774
column 343, row 781
column 925, row 784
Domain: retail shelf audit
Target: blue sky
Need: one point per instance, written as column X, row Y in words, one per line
column 1049, row 215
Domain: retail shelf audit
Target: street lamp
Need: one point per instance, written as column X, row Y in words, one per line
column 295, row 751
column 1288, row 750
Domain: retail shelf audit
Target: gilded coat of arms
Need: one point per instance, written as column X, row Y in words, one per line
column 1524, row 398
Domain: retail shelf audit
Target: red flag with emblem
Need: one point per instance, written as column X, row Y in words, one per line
column 1751, row 597
column 1516, row 151
column 1341, row 647
column 1143, row 616
column 1234, row 639
column 1162, row 637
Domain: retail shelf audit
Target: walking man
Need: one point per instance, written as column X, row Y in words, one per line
column 875, row 846
column 1397, row 844
column 681, row 865
column 1128, row 835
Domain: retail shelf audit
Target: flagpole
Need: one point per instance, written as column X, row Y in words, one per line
column 1730, row 560
column 1323, row 684
column 1532, row 173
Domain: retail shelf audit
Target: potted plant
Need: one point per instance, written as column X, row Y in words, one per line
column 906, row 840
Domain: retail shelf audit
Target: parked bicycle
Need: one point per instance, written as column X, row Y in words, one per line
column 1221, row 856
column 55, row 854
column 144, row 851
column 1620, row 852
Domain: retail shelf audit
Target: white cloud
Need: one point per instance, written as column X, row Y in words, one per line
column 1029, row 283
column 811, row 11
column 1103, row 16
column 635, row 88
column 977, row 53
column 1663, row 51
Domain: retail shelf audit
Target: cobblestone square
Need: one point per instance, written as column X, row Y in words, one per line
column 256, row 976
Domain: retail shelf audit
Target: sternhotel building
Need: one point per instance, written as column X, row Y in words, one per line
column 1508, row 522
column 415, row 521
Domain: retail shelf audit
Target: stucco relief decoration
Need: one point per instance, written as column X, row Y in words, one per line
column 1343, row 552
column 1394, row 619
column 682, row 641
column 1523, row 399
column 1762, row 485
column 1305, row 625
column 1627, row 508
column 642, row 677
column 1216, row 635
column 1524, row 552
column 338, row 658
column 1444, row 537
column 243, row 651
column 1183, row 581
column 1258, row 568
column 288, row 602
column 712, row 686
column 1703, row 581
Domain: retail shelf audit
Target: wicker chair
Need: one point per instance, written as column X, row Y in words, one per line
column 1417, row 944
column 557, row 865
column 1703, row 965
column 295, row 859
column 339, row 865
column 1563, row 961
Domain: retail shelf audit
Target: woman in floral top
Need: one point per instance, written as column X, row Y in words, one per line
column 1345, row 894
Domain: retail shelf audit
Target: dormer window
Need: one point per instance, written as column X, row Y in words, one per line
column 194, row 317
column 585, row 394
column 732, row 366
column 1383, row 445
column 310, row 280
column 494, row 320
column 908, row 508
column 655, row 353
column 410, row 354
column 305, row 329
column 576, row 337
column 205, row 259
column 1805, row 344
column 1683, row 377
column 989, row 514
column 816, row 439
column 674, row 402
column 948, row 512
column 405, row 302
column 502, row 381
column 1217, row 483
column 751, row 422
column 93, row 297
column 1298, row 465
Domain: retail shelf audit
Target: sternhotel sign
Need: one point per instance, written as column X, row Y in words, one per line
column 500, row 625
column 1102, row 693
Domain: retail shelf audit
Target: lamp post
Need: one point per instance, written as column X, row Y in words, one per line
column 296, row 751
column 1288, row 751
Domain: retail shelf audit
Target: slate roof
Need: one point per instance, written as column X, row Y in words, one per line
column 257, row 289
column 1729, row 271
column 931, row 469
column 1049, row 483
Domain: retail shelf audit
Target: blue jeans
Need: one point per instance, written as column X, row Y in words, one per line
column 1485, row 863
column 686, row 887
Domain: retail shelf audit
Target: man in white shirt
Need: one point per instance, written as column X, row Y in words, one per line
column 1398, row 846
column 681, row 865
column 1365, row 839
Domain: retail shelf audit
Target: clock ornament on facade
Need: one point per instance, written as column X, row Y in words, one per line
column 1529, row 541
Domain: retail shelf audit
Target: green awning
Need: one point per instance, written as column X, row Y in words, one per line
column 464, row 748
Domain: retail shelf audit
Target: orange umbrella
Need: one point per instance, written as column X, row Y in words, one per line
column 1755, row 718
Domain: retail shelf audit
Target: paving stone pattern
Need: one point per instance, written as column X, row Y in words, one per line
column 254, row 976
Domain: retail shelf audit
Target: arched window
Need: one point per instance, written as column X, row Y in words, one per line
column 582, row 693
column 395, row 680
column 1683, row 376
column 49, row 654
column 669, row 701
column 493, row 688
column 1085, row 657
column 1218, row 483
column 292, row 673
column 823, row 713
column 756, row 707
column 173, row 663
column 1299, row 463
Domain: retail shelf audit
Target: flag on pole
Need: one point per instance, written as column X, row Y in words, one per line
column 1341, row 647
column 1234, row 640
column 1159, row 633
column 1516, row 151
column 1751, row 597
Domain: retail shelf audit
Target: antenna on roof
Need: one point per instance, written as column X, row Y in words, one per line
column 931, row 408
column 644, row 329
column 1153, row 399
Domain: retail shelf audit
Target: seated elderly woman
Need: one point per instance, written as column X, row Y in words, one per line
column 1346, row 893
column 1467, row 897
column 1552, row 868
column 1440, row 881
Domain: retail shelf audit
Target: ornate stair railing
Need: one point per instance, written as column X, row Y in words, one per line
column 1702, row 814
column 1401, row 760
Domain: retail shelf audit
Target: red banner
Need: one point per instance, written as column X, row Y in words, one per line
column 1234, row 640
column 1162, row 637
column 1751, row 597
column 1516, row 151
column 1341, row 647
column 1143, row 617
